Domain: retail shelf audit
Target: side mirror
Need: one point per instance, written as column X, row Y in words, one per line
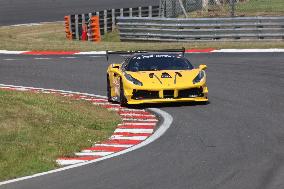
column 202, row 67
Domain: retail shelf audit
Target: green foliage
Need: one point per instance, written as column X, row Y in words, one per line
column 35, row 129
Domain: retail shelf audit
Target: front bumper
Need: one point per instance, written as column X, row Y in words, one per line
column 140, row 95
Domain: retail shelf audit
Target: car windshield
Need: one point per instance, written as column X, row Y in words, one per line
column 157, row 62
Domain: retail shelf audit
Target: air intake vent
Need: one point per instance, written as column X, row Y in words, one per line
column 166, row 75
column 168, row 93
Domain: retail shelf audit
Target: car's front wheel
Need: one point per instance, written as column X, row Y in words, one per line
column 122, row 100
column 108, row 90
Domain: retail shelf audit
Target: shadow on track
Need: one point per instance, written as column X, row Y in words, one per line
column 169, row 104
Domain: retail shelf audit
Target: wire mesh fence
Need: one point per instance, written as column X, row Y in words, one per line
column 221, row 8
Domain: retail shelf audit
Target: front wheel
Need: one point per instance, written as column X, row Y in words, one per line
column 108, row 90
column 123, row 100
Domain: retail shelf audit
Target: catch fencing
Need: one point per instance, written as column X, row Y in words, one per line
column 193, row 29
column 107, row 19
column 221, row 8
column 195, row 8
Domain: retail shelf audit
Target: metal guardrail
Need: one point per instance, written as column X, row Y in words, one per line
column 192, row 29
column 108, row 18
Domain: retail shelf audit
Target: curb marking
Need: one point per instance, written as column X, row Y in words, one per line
column 124, row 133
column 126, row 143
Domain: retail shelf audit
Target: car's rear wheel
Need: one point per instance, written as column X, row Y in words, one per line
column 122, row 100
column 108, row 90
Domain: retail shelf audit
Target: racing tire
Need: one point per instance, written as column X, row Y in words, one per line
column 122, row 98
column 108, row 90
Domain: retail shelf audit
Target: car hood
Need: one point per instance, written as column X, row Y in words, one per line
column 166, row 78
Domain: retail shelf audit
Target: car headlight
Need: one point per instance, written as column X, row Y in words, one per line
column 133, row 80
column 199, row 77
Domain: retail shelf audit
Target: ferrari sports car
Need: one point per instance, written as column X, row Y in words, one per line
column 156, row 77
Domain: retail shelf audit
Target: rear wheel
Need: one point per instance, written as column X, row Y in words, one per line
column 122, row 100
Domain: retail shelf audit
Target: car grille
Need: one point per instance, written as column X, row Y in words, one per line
column 191, row 93
column 144, row 94
column 168, row 93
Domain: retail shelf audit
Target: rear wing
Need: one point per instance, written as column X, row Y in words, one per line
column 182, row 50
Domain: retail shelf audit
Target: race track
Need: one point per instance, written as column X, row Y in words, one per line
column 30, row 11
column 236, row 141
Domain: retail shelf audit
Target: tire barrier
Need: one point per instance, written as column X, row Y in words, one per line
column 94, row 31
column 75, row 24
column 68, row 27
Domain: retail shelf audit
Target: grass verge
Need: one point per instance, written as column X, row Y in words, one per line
column 244, row 8
column 35, row 129
column 52, row 37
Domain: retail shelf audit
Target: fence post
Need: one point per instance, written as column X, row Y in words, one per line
column 113, row 19
column 89, row 27
column 105, row 21
column 84, row 35
column 70, row 24
column 183, row 8
column 205, row 5
column 121, row 12
column 140, row 11
column 161, row 8
column 130, row 12
column 90, row 16
column 76, row 27
column 150, row 11
column 232, row 4
column 83, row 19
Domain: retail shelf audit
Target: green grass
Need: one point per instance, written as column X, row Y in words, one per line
column 52, row 37
column 245, row 8
column 261, row 7
column 35, row 129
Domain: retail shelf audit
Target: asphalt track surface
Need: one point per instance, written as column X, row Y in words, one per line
column 236, row 141
column 30, row 11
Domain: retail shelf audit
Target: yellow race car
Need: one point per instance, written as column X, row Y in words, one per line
column 156, row 77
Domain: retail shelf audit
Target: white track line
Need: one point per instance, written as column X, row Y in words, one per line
column 142, row 115
column 247, row 50
column 114, row 145
column 131, row 110
column 167, row 121
column 137, row 123
column 120, row 137
column 92, row 53
column 69, row 162
column 11, row 52
column 134, row 131
column 137, row 114
column 105, row 104
column 134, row 119
column 10, row 59
column 69, row 57
column 71, row 93
column 42, row 58
column 35, row 24
column 83, row 153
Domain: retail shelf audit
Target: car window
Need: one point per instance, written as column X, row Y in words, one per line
column 157, row 62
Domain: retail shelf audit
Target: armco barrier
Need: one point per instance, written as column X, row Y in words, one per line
column 192, row 29
column 107, row 19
